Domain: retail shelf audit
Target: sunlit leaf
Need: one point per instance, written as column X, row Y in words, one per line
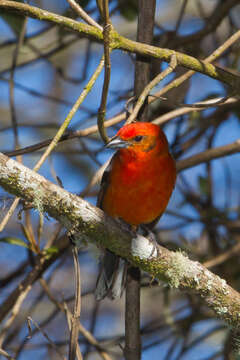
column 14, row 241
column 50, row 251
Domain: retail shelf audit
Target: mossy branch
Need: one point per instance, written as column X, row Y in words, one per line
column 92, row 224
column 120, row 42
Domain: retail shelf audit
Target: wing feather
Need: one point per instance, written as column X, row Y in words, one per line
column 104, row 183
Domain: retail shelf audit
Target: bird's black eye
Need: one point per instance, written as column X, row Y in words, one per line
column 138, row 138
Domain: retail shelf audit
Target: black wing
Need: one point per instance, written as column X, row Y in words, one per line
column 112, row 277
column 104, row 183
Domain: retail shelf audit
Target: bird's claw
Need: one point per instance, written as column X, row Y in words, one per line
column 152, row 238
column 154, row 242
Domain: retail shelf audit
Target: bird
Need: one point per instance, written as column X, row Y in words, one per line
column 136, row 188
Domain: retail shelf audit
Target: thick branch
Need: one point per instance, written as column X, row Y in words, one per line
column 120, row 42
column 95, row 226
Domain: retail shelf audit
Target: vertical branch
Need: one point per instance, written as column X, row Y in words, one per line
column 107, row 70
column 73, row 344
column 132, row 349
column 146, row 14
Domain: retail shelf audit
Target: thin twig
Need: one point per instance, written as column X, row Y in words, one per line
column 79, row 133
column 77, row 309
column 9, row 214
column 178, row 81
column 42, row 263
column 218, row 52
column 7, row 356
column 79, row 10
column 92, row 325
column 11, row 82
column 88, row 336
column 62, row 308
column 29, row 233
column 51, row 343
column 118, row 118
column 150, row 86
column 210, row 103
column 13, row 113
column 181, row 14
column 70, row 115
column 208, row 155
column 219, row 259
column 107, row 71
column 69, row 321
column 91, row 339
column 195, row 107
column 125, row 44
column 15, row 311
column 64, row 126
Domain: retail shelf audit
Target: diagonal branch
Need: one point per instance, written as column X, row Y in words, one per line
column 90, row 223
column 120, row 42
column 77, row 8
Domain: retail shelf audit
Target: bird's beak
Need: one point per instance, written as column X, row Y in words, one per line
column 117, row 143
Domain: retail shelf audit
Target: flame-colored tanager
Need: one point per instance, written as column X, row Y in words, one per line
column 136, row 188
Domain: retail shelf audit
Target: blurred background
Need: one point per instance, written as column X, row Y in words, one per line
column 53, row 67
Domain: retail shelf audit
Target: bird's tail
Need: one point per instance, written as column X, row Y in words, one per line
column 112, row 277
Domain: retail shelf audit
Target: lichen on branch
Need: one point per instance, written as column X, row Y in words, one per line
column 94, row 225
column 120, row 42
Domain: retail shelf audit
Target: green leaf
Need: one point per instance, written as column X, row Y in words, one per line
column 14, row 241
column 13, row 20
column 50, row 251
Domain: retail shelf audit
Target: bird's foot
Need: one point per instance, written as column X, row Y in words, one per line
column 125, row 225
column 151, row 237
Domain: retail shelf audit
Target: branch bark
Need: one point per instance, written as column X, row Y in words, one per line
column 146, row 17
column 90, row 223
column 120, row 42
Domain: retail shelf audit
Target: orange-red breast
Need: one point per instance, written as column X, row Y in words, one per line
column 136, row 187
